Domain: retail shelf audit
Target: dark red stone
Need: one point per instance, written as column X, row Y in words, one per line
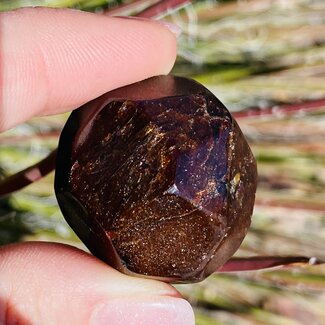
column 157, row 179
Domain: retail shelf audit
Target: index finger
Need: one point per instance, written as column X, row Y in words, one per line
column 54, row 60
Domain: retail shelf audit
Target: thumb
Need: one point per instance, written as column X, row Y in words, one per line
column 47, row 283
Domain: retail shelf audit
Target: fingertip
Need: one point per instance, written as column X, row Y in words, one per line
column 65, row 284
column 61, row 261
column 54, row 60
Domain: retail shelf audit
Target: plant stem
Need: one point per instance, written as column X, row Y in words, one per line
column 282, row 111
column 130, row 8
column 298, row 205
column 263, row 262
column 152, row 9
column 163, row 7
column 29, row 175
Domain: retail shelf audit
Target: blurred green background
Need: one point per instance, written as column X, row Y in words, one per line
column 258, row 53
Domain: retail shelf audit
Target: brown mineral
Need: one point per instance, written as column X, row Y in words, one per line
column 157, row 179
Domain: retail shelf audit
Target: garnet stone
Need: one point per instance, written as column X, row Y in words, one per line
column 157, row 179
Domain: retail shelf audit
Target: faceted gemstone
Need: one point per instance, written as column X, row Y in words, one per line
column 157, row 179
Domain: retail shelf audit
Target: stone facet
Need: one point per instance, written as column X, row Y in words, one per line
column 157, row 179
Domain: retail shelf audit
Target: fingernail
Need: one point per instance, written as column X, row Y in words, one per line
column 175, row 29
column 144, row 311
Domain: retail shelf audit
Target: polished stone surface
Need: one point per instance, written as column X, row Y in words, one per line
column 163, row 180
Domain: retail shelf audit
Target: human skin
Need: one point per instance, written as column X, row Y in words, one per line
column 53, row 61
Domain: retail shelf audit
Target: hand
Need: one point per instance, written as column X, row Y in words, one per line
column 53, row 61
